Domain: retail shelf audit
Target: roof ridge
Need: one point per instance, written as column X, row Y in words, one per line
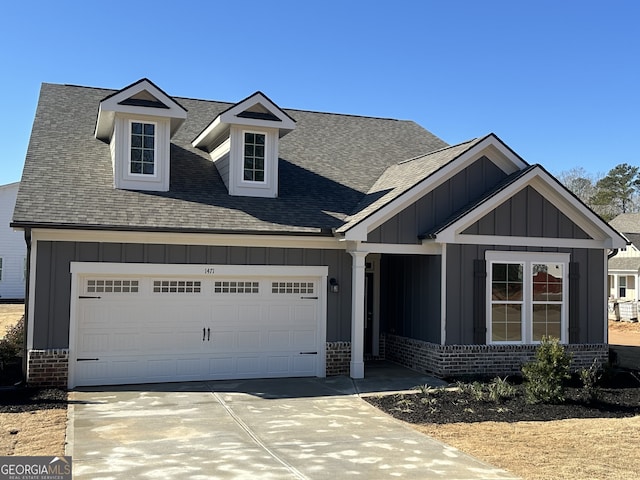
column 373, row 117
column 436, row 151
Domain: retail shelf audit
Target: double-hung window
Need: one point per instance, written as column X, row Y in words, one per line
column 143, row 148
column 528, row 296
column 254, row 157
column 622, row 286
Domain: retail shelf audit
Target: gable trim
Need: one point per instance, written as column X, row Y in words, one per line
column 235, row 115
column 602, row 235
column 490, row 146
column 120, row 102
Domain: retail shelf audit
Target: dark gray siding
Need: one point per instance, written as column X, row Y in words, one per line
column 440, row 204
column 589, row 327
column 410, row 296
column 53, row 279
column 527, row 214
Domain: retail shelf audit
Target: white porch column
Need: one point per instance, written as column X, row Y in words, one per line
column 357, row 314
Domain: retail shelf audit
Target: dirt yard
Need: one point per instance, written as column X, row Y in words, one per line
column 602, row 448
column 9, row 315
column 40, row 432
column 624, row 333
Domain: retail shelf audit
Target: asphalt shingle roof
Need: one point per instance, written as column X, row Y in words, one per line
column 624, row 263
column 327, row 166
column 626, row 223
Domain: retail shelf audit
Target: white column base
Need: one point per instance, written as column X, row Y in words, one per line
column 356, row 369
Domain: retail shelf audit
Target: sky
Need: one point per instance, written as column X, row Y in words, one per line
column 558, row 81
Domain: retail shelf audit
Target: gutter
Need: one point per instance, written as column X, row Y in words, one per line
column 27, row 239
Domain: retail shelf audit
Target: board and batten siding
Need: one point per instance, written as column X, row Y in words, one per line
column 527, row 214
column 585, row 325
column 410, row 296
column 53, row 280
column 440, row 204
column 13, row 249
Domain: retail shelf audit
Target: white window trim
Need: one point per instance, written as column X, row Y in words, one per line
column 528, row 259
column 139, row 176
column 254, row 183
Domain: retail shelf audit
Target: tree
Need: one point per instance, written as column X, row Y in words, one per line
column 581, row 183
column 615, row 193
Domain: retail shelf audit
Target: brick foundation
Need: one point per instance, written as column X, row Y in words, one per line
column 452, row 360
column 338, row 358
column 48, row 368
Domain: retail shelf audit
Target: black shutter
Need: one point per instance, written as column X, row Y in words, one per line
column 574, row 302
column 479, row 302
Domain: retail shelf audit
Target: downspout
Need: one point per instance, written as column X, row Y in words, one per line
column 27, row 239
column 612, row 253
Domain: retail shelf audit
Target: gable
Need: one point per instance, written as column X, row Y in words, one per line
column 407, row 182
column 140, row 98
column 531, row 208
column 527, row 214
column 439, row 204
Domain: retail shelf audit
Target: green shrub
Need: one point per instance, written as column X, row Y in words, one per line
column 500, row 390
column 590, row 378
column 545, row 377
column 11, row 345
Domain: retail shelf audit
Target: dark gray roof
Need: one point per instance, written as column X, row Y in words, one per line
column 327, row 165
column 399, row 178
column 626, row 223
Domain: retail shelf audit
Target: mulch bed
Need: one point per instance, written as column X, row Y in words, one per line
column 18, row 400
column 618, row 398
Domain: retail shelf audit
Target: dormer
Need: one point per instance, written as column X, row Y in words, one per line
column 243, row 144
column 138, row 123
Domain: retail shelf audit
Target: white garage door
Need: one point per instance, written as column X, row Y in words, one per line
column 142, row 329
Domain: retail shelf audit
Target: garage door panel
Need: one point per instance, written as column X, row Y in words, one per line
column 247, row 340
column 158, row 336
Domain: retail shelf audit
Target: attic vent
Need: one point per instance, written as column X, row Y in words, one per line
column 259, row 116
column 143, row 99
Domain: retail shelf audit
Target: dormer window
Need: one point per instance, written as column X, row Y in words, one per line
column 243, row 142
column 138, row 122
column 143, row 148
column 254, row 155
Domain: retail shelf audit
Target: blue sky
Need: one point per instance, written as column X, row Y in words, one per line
column 558, row 81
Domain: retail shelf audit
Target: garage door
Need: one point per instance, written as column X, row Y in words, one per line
column 158, row 328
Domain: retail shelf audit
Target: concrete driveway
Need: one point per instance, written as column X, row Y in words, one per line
column 254, row 429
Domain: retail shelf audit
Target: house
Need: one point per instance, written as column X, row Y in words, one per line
column 174, row 239
column 624, row 269
column 13, row 251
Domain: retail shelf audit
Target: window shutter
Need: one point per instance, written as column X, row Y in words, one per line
column 574, row 302
column 479, row 302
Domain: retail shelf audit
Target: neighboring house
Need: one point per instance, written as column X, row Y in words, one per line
column 624, row 269
column 13, row 249
column 174, row 239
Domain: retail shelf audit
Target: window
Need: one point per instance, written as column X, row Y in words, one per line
column 112, row 286
column 527, row 296
column 176, row 286
column 236, row 287
column 253, row 169
column 0, row 268
column 622, row 286
column 143, row 148
column 292, row 287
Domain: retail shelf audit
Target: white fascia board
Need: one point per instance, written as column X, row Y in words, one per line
column 171, row 238
column 529, row 241
column 213, row 270
column 104, row 124
column 602, row 234
column 426, row 248
column 231, row 115
column 491, row 147
column 215, row 128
